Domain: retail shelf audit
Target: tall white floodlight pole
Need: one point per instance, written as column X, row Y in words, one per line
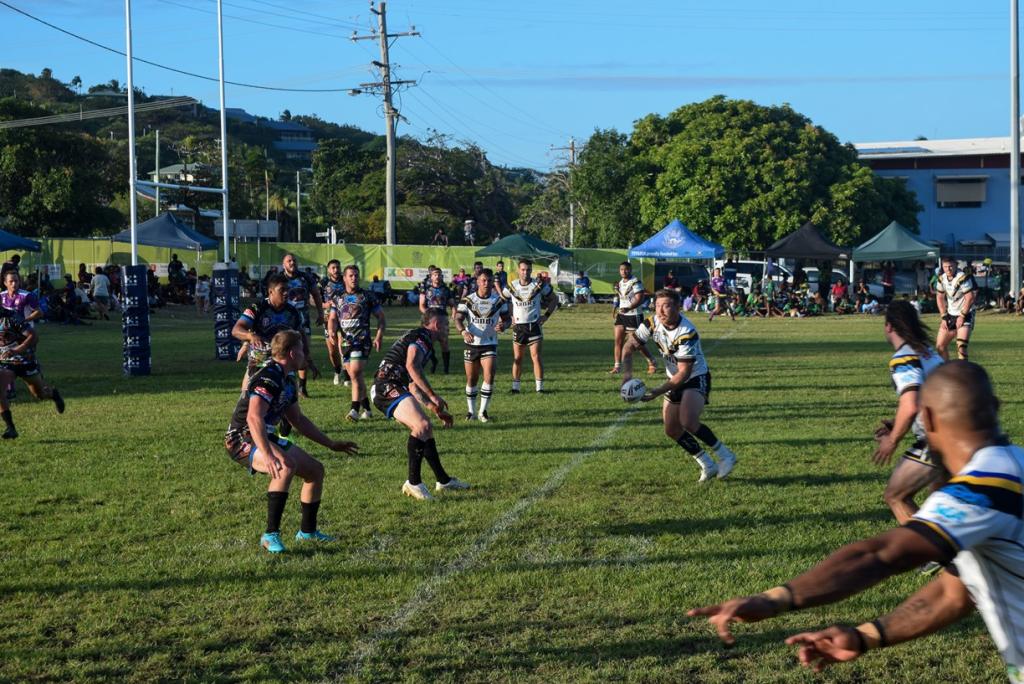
column 1014, row 151
column 298, row 203
column 223, row 133
column 131, row 129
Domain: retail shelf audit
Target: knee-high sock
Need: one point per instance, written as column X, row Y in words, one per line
column 961, row 349
column 471, row 398
column 486, row 390
column 415, row 449
column 434, row 460
column 275, row 509
column 705, row 435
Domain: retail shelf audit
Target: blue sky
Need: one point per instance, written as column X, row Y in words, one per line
column 519, row 78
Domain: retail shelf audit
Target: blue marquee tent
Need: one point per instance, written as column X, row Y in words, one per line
column 676, row 241
column 10, row 241
column 166, row 230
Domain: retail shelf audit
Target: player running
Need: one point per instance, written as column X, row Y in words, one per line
column 913, row 361
column 349, row 323
column 330, row 286
column 627, row 314
column 527, row 295
column 303, row 288
column 18, row 341
column 955, row 293
column 720, row 290
column 481, row 315
column 399, row 377
column 435, row 294
column 271, row 396
column 972, row 525
column 21, row 301
column 259, row 323
column 688, row 387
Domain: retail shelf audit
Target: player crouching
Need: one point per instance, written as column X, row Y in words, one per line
column 688, row 387
column 272, row 394
column 400, row 376
column 18, row 341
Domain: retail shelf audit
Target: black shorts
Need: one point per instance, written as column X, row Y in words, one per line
column 387, row 395
column 629, row 321
column 356, row 347
column 21, row 369
column 950, row 321
column 474, row 352
column 241, row 447
column 306, row 330
column 919, row 453
column 701, row 383
column 527, row 333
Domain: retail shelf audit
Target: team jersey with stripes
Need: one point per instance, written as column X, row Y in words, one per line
column 681, row 343
column 909, row 369
column 976, row 519
column 526, row 299
column 480, row 316
column 625, row 290
column 955, row 290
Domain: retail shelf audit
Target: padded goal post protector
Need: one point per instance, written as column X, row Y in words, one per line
column 135, row 321
column 226, row 298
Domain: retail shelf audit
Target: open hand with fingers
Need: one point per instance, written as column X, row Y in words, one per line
column 745, row 609
column 346, row 447
column 818, row 650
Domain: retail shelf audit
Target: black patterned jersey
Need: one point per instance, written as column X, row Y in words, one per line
column 328, row 290
column 392, row 366
column 265, row 322
column 272, row 385
column 13, row 331
column 300, row 284
column 439, row 297
column 353, row 311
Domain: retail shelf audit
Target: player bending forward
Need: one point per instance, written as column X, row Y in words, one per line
column 481, row 315
column 688, row 387
column 272, row 394
column 18, row 360
column 913, row 361
column 399, row 376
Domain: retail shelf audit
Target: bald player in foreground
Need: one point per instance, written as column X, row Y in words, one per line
column 972, row 526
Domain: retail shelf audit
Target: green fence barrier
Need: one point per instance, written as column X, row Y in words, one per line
column 403, row 265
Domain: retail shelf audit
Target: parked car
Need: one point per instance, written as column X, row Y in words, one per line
column 687, row 273
column 749, row 273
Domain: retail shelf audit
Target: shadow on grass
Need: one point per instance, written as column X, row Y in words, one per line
column 812, row 480
column 750, row 521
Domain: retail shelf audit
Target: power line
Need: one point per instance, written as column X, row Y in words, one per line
column 98, row 113
column 164, row 66
column 254, row 21
column 324, row 17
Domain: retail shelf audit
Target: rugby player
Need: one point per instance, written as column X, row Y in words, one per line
column 349, row 324
column 913, row 361
column 259, row 323
column 527, row 295
column 972, row 525
column 24, row 302
column 435, row 294
column 723, row 297
column 399, row 377
column 270, row 396
column 481, row 315
column 330, row 286
column 18, row 341
column 302, row 289
column 688, row 387
column 627, row 315
column 955, row 293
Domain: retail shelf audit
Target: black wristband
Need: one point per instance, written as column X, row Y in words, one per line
column 862, row 644
column 792, row 597
column 883, row 641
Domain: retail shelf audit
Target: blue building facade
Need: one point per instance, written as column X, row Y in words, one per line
column 963, row 187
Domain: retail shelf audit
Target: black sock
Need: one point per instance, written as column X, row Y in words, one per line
column 689, row 444
column 705, row 435
column 430, row 453
column 344, row 374
column 447, row 356
column 355, row 406
column 415, row 448
column 275, row 509
column 337, row 369
column 8, row 418
column 309, row 511
column 286, row 428
column 365, row 403
column 302, row 384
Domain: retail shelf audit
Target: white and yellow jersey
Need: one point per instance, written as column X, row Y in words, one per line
column 681, row 343
column 480, row 316
column 955, row 289
column 909, row 369
column 977, row 519
column 526, row 299
column 625, row 290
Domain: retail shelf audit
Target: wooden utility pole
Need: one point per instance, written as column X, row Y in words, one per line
column 386, row 87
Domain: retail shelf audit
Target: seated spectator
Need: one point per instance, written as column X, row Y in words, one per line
column 670, row 283
column 838, row 293
column 861, row 294
column 581, row 289
column 202, row 295
column 84, row 277
column 461, row 283
column 440, row 238
column 871, row 306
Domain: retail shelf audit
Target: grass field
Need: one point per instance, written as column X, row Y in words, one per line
column 130, row 539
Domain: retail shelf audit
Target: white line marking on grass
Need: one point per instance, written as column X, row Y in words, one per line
column 425, row 593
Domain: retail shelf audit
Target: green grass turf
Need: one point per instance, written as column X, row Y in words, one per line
column 129, row 540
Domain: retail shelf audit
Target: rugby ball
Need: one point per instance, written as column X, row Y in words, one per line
column 632, row 390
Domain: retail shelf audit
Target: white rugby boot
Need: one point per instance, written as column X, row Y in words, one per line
column 452, row 484
column 418, row 492
column 708, row 469
column 726, row 461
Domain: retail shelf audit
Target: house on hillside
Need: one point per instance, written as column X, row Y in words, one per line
column 963, row 186
column 293, row 140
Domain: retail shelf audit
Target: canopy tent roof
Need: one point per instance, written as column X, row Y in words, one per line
column 806, row 242
column 894, row 243
column 10, row 241
column 166, row 230
column 523, row 245
column 676, row 241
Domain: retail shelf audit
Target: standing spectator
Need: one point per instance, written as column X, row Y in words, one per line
column 114, row 274
column 99, row 290
column 729, row 271
column 921, row 279
column 888, row 280
column 202, row 295
column 440, row 238
column 13, row 265
column 84, row 277
column 193, row 280
column 175, row 270
column 467, row 230
column 500, row 276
